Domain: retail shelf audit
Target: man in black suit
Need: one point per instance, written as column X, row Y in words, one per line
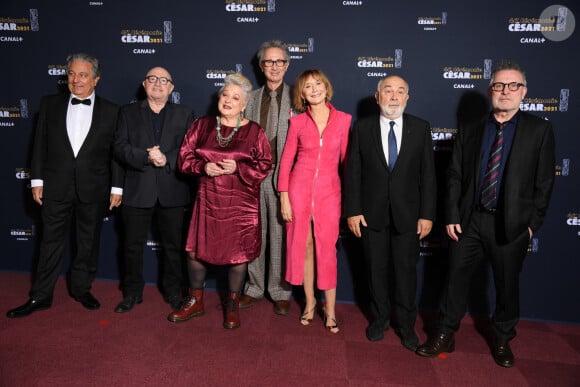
column 390, row 190
column 149, row 135
column 499, row 183
column 72, row 171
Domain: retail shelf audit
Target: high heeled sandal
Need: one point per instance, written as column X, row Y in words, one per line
column 304, row 320
column 331, row 327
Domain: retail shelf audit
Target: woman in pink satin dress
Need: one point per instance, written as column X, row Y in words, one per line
column 231, row 155
column 310, row 192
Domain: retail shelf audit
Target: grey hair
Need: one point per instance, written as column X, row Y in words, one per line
column 382, row 79
column 273, row 44
column 507, row 64
column 238, row 80
column 82, row 57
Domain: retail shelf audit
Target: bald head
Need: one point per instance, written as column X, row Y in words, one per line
column 158, row 85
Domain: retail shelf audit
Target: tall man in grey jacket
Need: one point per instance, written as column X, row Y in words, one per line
column 271, row 107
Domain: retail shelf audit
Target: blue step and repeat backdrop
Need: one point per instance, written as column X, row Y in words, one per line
column 446, row 51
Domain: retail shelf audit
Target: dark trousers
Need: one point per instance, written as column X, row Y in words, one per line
column 384, row 249
column 169, row 222
column 479, row 240
column 57, row 216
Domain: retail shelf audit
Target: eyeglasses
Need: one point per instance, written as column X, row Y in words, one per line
column 278, row 62
column 155, row 78
column 512, row 86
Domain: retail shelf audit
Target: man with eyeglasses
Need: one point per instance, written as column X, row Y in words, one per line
column 74, row 179
column 147, row 141
column 271, row 107
column 499, row 183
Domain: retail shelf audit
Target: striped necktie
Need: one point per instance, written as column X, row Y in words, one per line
column 491, row 177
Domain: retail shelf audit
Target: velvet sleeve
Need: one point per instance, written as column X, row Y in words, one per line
column 253, row 171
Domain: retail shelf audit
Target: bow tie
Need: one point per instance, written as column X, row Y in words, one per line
column 76, row 101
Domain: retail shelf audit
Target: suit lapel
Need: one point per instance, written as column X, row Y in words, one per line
column 93, row 127
column 284, row 115
column 377, row 141
column 477, row 149
column 406, row 138
column 258, row 104
column 283, row 122
column 63, row 124
column 520, row 137
column 146, row 121
column 164, row 134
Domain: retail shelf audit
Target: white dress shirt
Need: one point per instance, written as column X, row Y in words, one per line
column 78, row 123
column 385, row 127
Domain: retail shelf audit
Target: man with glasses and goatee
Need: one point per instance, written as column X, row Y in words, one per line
column 499, row 183
column 149, row 135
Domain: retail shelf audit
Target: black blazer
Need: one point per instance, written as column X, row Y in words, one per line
column 527, row 180
column 144, row 183
column 409, row 192
column 93, row 171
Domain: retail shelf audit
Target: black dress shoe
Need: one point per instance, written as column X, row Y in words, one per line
column 128, row 303
column 442, row 342
column 502, row 353
column 409, row 338
column 31, row 305
column 89, row 301
column 376, row 330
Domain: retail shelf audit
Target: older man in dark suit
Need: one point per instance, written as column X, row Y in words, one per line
column 390, row 195
column 149, row 135
column 72, row 171
column 499, row 183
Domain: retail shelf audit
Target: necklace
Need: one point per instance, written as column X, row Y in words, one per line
column 224, row 141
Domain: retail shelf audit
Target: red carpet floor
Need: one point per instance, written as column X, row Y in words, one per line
column 67, row 345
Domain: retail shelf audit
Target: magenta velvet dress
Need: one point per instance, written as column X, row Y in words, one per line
column 309, row 172
column 225, row 224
